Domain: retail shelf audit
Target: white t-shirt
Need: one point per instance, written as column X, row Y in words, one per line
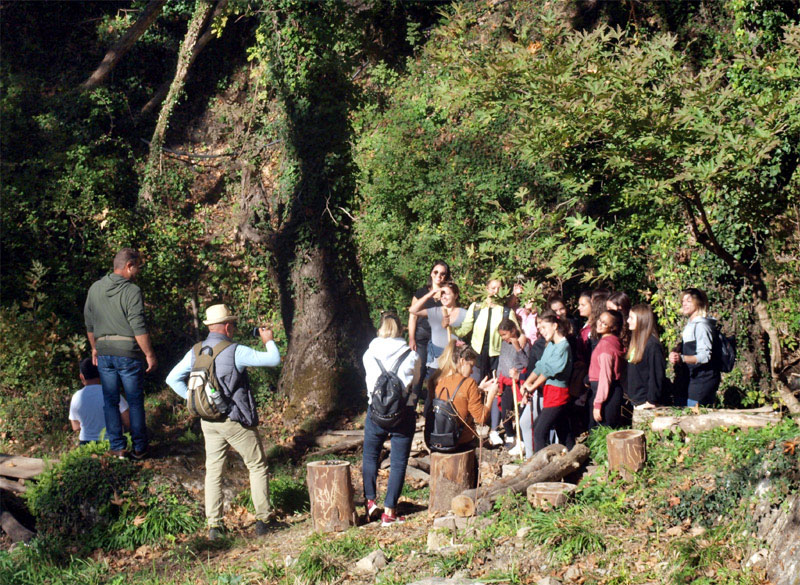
column 86, row 407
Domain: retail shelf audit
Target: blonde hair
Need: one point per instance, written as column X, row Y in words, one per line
column 390, row 326
column 448, row 361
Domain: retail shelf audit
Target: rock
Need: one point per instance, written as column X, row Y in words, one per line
column 418, row 474
column 423, row 463
column 523, row 532
column 509, row 469
column 757, row 560
column 372, row 563
column 675, row 531
column 548, row 581
column 572, row 574
column 445, row 522
column 781, row 531
column 289, row 561
column 439, row 539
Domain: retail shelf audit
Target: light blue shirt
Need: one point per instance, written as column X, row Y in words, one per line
column 244, row 357
column 86, row 407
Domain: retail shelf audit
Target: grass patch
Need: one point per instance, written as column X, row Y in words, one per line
column 287, row 495
column 568, row 533
column 324, row 559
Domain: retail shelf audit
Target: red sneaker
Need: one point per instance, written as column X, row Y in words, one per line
column 372, row 509
column 387, row 520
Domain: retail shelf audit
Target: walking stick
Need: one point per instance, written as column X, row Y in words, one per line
column 516, row 416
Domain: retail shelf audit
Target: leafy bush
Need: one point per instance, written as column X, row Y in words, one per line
column 90, row 499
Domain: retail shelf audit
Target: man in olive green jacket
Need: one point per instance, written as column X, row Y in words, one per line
column 114, row 316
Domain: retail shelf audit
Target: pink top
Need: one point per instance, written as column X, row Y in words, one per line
column 527, row 321
column 605, row 367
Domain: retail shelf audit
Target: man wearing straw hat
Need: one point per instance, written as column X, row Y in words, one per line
column 239, row 430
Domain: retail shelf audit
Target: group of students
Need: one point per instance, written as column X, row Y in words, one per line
column 538, row 374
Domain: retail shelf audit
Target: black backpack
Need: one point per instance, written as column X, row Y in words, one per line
column 723, row 351
column 443, row 424
column 390, row 400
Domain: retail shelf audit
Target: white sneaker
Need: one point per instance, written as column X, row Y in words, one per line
column 494, row 438
column 510, row 440
column 517, row 451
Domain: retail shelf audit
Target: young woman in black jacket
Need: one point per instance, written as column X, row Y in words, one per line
column 646, row 361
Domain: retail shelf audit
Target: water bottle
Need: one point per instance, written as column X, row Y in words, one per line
column 216, row 397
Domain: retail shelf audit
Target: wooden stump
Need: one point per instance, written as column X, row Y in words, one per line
column 330, row 490
column 451, row 474
column 550, row 494
column 627, row 452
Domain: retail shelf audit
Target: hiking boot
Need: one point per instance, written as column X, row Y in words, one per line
column 120, row 454
column 214, row 533
column 494, row 439
column 261, row 528
column 372, row 510
column 387, row 520
column 139, row 455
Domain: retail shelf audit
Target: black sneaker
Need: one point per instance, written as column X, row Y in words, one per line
column 214, row 533
column 262, row 526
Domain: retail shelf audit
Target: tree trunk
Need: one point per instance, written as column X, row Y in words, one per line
column 330, row 490
column 627, row 452
column 152, row 169
column 697, row 217
column 115, row 54
column 163, row 90
column 451, row 473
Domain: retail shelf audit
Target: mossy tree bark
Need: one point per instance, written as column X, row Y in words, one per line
column 305, row 223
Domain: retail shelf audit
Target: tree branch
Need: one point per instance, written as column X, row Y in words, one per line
column 115, row 54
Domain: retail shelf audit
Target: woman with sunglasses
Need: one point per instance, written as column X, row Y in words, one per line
column 606, row 370
column 419, row 328
column 442, row 319
column 389, row 348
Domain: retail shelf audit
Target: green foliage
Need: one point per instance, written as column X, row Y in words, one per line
column 44, row 561
column 90, row 499
column 287, row 494
column 67, row 497
column 567, row 533
column 323, row 558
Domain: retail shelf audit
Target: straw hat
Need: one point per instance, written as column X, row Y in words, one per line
column 216, row 314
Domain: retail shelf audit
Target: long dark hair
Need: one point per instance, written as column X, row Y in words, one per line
column 645, row 329
column 617, row 316
column 447, row 276
column 564, row 328
column 599, row 298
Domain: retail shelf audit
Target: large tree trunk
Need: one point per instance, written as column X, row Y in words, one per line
column 305, row 223
column 152, row 169
column 146, row 18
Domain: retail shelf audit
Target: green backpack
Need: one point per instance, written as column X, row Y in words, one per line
column 203, row 397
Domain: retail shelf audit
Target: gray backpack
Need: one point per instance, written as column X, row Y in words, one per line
column 204, row 396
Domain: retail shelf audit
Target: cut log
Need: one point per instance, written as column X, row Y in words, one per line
column 556, row 469
column 21, row 467
column 451, row 473
column 550, row 494
column 423, row 463
column 12, row 486
column 463, row 506
column 332, row 438
column 16, row 531
column 330, row 490
column 697, row 423
column 627, row 452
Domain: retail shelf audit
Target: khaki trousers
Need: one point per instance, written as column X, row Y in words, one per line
column 247, row 442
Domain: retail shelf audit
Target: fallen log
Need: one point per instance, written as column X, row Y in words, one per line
column 12, row 486
column 697, row 423
column 16, row 531
column 20, row 467
column 343, row 446
column 332, row 438
column 556, row 469
column 643, row 417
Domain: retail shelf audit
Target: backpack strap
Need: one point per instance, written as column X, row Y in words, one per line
column 453, row 397
column 400, row 360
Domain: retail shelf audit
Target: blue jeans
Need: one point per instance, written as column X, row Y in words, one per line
column 401, row 438
column 129, row 372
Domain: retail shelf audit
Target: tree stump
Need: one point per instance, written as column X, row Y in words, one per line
column 550, row 494
column 451, row 474
column 627, row 452
column 330, row 490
